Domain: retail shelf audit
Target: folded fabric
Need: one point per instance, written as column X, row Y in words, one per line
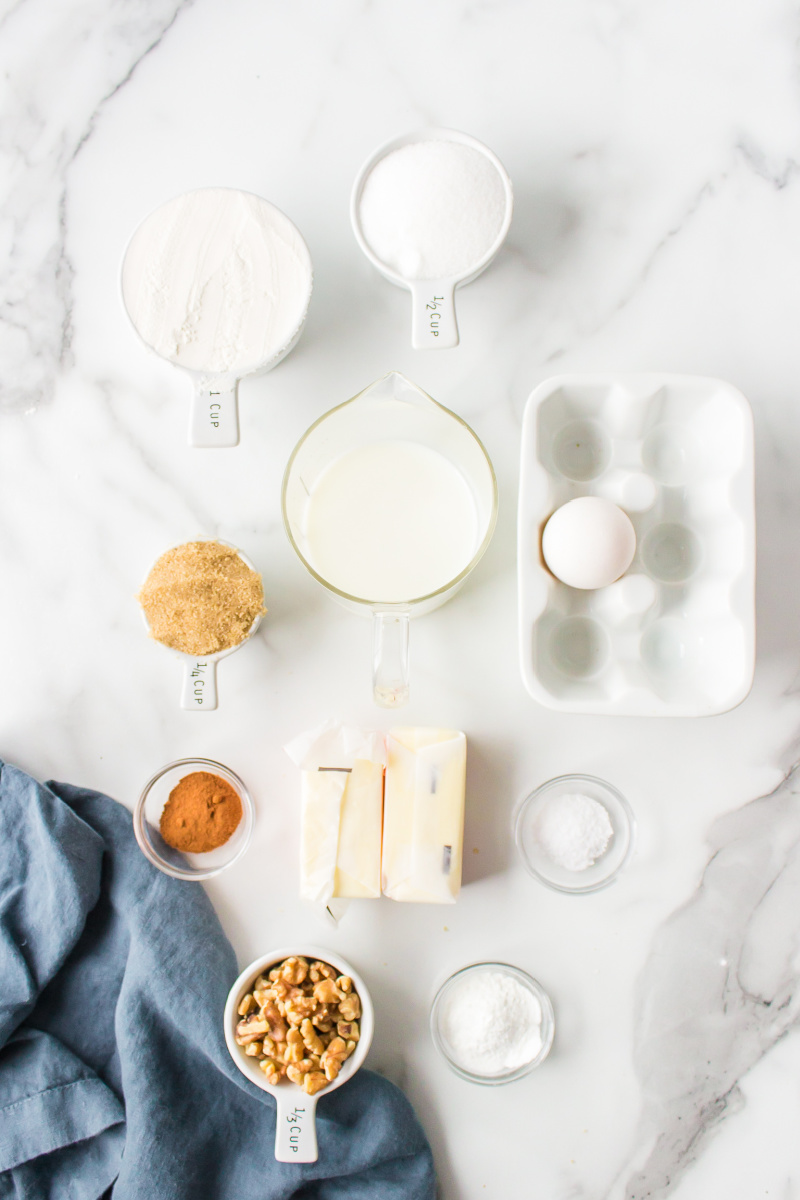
column 113, row 1067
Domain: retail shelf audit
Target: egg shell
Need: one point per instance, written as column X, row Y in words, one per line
column 589, row 543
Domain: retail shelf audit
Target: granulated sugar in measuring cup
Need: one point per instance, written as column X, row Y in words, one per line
column 202, row 600
column 218, row 282
column 431, row 210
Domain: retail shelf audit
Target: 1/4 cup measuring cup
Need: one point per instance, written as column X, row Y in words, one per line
column 433, row 312
column 199, row 687
column 390, row 500
column 218, row 282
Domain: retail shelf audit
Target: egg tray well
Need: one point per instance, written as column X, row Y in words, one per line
column 675, row 636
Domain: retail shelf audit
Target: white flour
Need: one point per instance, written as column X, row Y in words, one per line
column 218, row 281
column 432, row 210
column 573, row 831
column 491, row 1023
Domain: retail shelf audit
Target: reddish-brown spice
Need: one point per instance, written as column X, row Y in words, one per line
column 201, row 814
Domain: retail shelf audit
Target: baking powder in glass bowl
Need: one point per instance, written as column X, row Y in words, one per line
column 492, row 1022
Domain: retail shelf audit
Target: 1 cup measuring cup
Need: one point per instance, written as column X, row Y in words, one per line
column 390, row 500
column 415, row 194
column 218, row 282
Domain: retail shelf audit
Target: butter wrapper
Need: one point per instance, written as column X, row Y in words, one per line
column 342, row 811
column 423, row 819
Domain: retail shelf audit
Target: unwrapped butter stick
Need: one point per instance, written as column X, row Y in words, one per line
column 358, row 861
column 342, row 812
column 423, row 818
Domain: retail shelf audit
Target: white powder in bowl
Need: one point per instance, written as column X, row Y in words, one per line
column 432, row 209
column 218, row 281
column 491, row 1023
column 573, row 831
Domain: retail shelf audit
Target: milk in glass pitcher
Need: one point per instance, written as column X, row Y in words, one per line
column 390, row 500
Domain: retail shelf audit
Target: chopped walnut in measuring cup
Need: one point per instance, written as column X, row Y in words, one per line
column 301, row 1021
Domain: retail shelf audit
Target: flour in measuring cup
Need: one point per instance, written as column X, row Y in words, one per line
column 217, row 281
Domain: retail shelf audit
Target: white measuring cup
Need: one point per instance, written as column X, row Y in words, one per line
column 295, row 1127
column 199, row 687
column 162, row 264
column 433, row 311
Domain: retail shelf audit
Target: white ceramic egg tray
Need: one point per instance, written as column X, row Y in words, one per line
column 675, row 636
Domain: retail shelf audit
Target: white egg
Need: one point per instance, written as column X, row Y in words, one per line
column 589, row 542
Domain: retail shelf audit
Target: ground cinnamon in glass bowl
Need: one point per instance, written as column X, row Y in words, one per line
column 202, row 812
column 185, row 777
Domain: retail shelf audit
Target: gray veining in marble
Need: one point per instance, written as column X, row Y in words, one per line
column 721, row 985
column 60, row 65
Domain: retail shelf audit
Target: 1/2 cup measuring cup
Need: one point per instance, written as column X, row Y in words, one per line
column 433, row 312
column 390, row 500
column 218, row 282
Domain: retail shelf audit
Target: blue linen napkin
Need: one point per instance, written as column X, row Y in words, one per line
column 113, row 1064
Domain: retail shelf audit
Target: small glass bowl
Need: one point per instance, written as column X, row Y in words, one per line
column 606, row 868
column 147, row 817
column 547, row 1028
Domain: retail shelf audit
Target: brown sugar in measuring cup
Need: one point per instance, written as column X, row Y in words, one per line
column 202, row 812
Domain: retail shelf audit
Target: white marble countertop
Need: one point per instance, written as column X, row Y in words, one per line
column 654, row 152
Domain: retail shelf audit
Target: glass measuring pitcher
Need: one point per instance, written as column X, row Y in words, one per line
column 390, row 500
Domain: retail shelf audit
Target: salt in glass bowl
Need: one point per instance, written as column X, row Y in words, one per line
column 547, row 1027
column 607, row 867
column 147, row 817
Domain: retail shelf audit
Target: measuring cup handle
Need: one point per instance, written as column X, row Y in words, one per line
column 390, row 687
column 199, row 691
column 295, row 1126
column 433, row 315
column 215, row 416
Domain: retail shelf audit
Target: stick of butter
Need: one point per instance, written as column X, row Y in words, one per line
column 340, row 837
column 358, row 859
column 423, row 819
column 342, row 811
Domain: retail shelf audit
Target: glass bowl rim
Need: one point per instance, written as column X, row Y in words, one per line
column 629, row 821
column 149, row 851
column 548, row 1026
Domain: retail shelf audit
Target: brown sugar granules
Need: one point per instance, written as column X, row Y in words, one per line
column 202, row 812
column 201, row 598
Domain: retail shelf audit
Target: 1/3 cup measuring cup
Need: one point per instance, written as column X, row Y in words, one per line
column 390, row 500
column 217, row 281
column 295, row 1125
column 413, row 201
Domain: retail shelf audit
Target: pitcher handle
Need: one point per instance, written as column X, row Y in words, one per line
column 390, row 686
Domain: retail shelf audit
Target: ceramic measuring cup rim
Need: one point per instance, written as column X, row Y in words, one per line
column 429, row 134
column 260, row 367
column 405, row 604
column 249, row 1066
column 218, row 654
